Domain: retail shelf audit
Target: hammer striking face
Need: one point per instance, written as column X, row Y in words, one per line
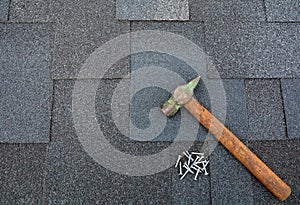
column 183, row 96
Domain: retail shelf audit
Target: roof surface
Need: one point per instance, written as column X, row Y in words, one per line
column 253, row 49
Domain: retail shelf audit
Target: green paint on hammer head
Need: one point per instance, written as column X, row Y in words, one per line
column 193, row 83
column 181, row 95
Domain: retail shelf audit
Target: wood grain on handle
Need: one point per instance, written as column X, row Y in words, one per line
column 257, row 167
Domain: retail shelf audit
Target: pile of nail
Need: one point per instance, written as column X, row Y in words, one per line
column 194, row 163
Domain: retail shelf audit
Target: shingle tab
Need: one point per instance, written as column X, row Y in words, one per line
column 265, row 110
column 78, row 33
column 75, row 42
column 26, row 86
column 152, row 10
column 282, row 156
column 51, row 10
column 282, row 10
column 291, row 97
column 230, row 180
column 230, row 10
column 253, row 50
column 4, row 7
column 22, row 173
column 236, row 115
column 150, row 97
column 68, row 165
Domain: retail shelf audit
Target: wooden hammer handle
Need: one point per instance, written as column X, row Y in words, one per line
column 257, row 167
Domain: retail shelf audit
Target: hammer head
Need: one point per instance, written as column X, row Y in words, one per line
column 181, row 95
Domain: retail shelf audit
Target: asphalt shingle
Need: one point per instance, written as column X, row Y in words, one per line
column 282, row 156
column 193, row 31
column 155, row 95
column 75, row 42
column 231, row 10
column 26, row 86
column 152, row 10
column 291, row 97
column 265, row 109
column 236, row 115
column 22, row 173
column 253, row 50
column 4, row 7
column 78, row 32
column 283, row 11
column 241, row 45
column 72, row 176
column 230, row 180
column 51, row 10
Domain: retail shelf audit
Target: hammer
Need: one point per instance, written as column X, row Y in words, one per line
column 183, row 96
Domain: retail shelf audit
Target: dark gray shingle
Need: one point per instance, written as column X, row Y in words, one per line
column 26, row 85
column 81, row 28
column 291, row 97
column 4, row 8
column 75, row 42
column 230, row 180
column 22, row 173
column 265, row 109
column 253, row 50
column 152, row 10
column 230, row 10
column 51, row 10
column 236, row 116
column 150, row 97
column 284, row 11
column 72, row 176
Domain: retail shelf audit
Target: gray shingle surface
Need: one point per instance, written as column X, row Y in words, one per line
column 291, row 97
column 193, row 31
column 78, row 32
column 150, row 97
column 230, row 180
column 51, row 10
column 26, row 86
column 236, row 116
column 75, row 42
column 72, row 176
column 283, row 11
column 231, row 10
column 141, row 104
column 4, row 7
column 265, row 109
column 152, row 10
column 282, row 156
column 189, row 191
column 22, row 173
column 253, row 50
column 104, row 112
column 241, row 45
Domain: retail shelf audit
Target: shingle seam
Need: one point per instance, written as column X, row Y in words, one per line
column 27, row 22
column 44, row 177
column 265, row 10
column 51, row 111
column 247, row 105
column 284, row 22
column 284, row 111
column 9, row 9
